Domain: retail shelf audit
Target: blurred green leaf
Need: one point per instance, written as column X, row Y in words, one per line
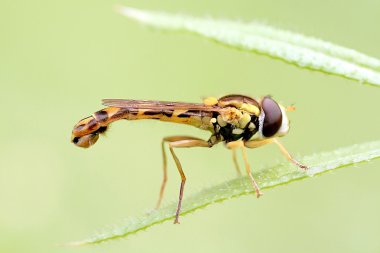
column 268, row 178
column 302, row 51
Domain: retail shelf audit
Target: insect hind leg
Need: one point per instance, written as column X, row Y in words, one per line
column 177, row 142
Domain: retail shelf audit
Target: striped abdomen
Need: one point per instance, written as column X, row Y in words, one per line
column 86, row 132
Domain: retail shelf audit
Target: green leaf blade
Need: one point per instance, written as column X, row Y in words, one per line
column 315, row 44
column 296, row 49
column 268, row 178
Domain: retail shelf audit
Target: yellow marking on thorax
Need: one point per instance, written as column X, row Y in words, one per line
column 244, row 120
column 234, row 116
column 231, row 116
column 242, row 106
column 250, row 108
column 210, row 101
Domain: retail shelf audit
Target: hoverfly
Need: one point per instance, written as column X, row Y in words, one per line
column 238, row 121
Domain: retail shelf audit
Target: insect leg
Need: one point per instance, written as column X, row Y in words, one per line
column 240, row 144
column 181, row 142
column 256, row 144
column 289, row 156
column 165, row 177
column 236, row 162
column 164, row 159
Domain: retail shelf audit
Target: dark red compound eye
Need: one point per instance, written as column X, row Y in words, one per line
column 273, row 117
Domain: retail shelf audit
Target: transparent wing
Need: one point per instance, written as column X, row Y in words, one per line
column 154, row 104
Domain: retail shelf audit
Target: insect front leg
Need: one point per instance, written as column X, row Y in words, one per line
column 240, row 144
column 289, row 156
column 256, row 144
column 178, row 142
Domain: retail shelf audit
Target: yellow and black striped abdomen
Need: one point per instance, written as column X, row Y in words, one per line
column 86, row 132
column 196, row 118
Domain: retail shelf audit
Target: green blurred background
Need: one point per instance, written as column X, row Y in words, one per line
column 58, row 59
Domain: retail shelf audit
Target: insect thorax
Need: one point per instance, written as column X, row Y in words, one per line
column 234, row 126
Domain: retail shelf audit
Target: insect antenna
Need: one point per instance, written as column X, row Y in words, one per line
column 290, row 108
